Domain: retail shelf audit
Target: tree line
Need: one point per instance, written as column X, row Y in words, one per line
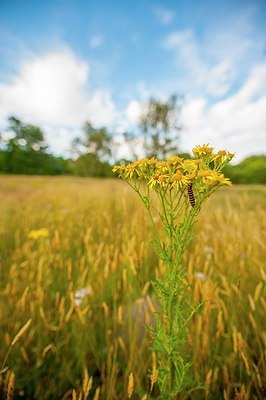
column 25, row 151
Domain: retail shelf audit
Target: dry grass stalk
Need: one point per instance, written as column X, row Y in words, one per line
column 97, row 394
column 14, row 341
column 242, row 395
column 154, row 374
column 21, row 332
column 74, row 395
column 86, row 384
column 130, row 386
column 9, row 387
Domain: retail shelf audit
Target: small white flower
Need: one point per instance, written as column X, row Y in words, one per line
column 78, row 302
column 209, row 249
column 80, row 294
column 200, row 275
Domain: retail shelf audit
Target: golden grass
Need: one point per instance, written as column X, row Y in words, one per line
column 99, row 239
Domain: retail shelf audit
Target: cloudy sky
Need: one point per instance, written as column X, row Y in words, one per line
column 66, row 61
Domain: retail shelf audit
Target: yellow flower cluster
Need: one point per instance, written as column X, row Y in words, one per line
column 38, row 233
column 176, row 172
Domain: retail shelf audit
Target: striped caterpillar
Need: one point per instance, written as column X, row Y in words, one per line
column 191, row 195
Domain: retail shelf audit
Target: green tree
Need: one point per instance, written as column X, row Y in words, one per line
column 26, row 151
column 27, row 137
column 131, row 141
column 159, row 124
column 89, row 165
column 96, row 141
column 251, row 170
column 95, row 150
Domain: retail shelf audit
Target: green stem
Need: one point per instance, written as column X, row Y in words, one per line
column 5, row 360
column 170, row 333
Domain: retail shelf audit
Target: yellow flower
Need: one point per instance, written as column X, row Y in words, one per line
column 222, row 156
column 142, row 162
column 152, row 161
column 38, row 233
column 119, row 169
column 146, row 167
column 154, row 180
column 230, row 156
column 162, row 165
column 178, row 180
column 204, row 173
column 202, row 150
column 164, row 180
column 190, row 166
column 116, row 168
column 217, row 177
column 130, row 169
column 174, row 160
column 190, row 177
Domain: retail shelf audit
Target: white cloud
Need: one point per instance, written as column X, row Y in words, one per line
column 52, row 91
column 133, row 111
column 237, row 123
column 256, row 84
column 164, row 15
column 227, row 91
column 219, row 78
column 48, row 89
column 96, row 41
column 178, row 38
column 209, row 66
column 128, row 151
column 143, row 91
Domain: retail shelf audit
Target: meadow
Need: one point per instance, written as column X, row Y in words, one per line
column 76, row 260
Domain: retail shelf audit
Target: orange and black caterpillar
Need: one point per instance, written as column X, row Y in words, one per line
column 191, row 195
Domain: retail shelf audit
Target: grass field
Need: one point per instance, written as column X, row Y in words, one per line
column 96, row 237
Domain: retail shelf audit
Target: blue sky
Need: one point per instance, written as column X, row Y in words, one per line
column 65, row 61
